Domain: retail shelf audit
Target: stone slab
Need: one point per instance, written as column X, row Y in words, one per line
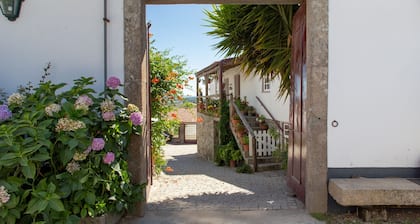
column 374, row 191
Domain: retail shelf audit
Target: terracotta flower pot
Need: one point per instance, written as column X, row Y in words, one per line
column 263, row 126
column 235, row 122
column 245, row 147
column 232, row 163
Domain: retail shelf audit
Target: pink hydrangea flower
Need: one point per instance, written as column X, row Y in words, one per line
column 113, row 82
column 136, row 118
column 83, row 103
column 108, row 116
column 98, row 144
column 109, row 158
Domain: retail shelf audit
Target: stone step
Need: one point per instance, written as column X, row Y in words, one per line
column 267, row 166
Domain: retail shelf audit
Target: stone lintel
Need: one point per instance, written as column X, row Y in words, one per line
column 167, row 2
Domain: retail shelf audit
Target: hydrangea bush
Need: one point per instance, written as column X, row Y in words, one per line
column 63, row 153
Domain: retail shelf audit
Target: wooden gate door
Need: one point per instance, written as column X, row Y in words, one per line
column 296, row 156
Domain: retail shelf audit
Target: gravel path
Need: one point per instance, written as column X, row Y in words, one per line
column 197, row 184
column 199, row 192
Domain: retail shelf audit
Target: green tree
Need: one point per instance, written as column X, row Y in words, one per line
column 257, row 35
column 168, row 79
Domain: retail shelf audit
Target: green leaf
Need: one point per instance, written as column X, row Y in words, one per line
column 32, row 149
column 25, row 131
column 73, row 143
column 23, row 161
column 51, row 188
column 83, row 213
column 40, row 157
column 29, row 171
column 15, row 213
column 11, row 162
column 68, row 107
column 56, row 205
column 10, row 219
column 73, row 220
column 8, row 156
column 79, row 196
column 45, row 124
column 13, row 201
column 90, row 198
column 46, row 143
column 36, row 205
column 3, row 213
column 65, row 155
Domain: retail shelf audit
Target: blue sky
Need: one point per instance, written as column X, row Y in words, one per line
column 181, row 29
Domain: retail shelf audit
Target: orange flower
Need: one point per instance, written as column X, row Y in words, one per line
column 173, row 74
column 199, row 120
column 180, row 98
column 173, row 91
column 155, row 80
column 191, row 78
column 179, row 86
column 173, row 115
column 169, row 169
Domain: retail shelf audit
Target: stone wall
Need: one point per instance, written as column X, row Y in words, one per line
column 207, row 136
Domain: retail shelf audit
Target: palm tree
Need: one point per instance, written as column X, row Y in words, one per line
column 257, row 35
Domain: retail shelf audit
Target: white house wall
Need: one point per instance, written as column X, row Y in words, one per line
column 67, row 33
column 252, row 86
column 373, row 84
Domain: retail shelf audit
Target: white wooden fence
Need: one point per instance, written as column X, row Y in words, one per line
column 265, row 143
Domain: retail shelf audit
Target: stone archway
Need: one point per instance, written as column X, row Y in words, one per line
column 136, row 82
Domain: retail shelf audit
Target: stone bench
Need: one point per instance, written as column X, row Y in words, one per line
column 370, row 192
column 374, row 191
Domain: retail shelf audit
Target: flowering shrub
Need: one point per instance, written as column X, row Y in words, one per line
column 168, row 79
column 63, row 155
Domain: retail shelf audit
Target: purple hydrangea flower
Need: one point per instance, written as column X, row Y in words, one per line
column 136, row 118
column 109, row 158
column 5, row 113
column 113, row 82
column 98, row 144
column 108, row 116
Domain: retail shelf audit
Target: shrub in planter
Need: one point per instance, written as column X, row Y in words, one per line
column 63, row 155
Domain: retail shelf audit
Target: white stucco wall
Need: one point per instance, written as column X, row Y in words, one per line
column 252, row 86
column 373, row 85
column 67, row 33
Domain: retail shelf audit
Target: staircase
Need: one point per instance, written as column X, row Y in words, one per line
column 261, row 143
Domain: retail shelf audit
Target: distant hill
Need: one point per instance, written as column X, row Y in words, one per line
column 192, row 99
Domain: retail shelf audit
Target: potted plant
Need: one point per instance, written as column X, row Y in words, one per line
column 261, row 121
column 235, row 119
column 245, row 143
column 236, row 156
column 240, row 129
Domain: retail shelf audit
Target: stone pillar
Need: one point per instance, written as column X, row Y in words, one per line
column 181, row 133
column 316, row 193
column 135, row 87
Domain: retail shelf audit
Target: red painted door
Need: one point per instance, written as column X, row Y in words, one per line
column 296, row 157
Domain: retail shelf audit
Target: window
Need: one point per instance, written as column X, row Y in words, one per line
column 266, row 84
